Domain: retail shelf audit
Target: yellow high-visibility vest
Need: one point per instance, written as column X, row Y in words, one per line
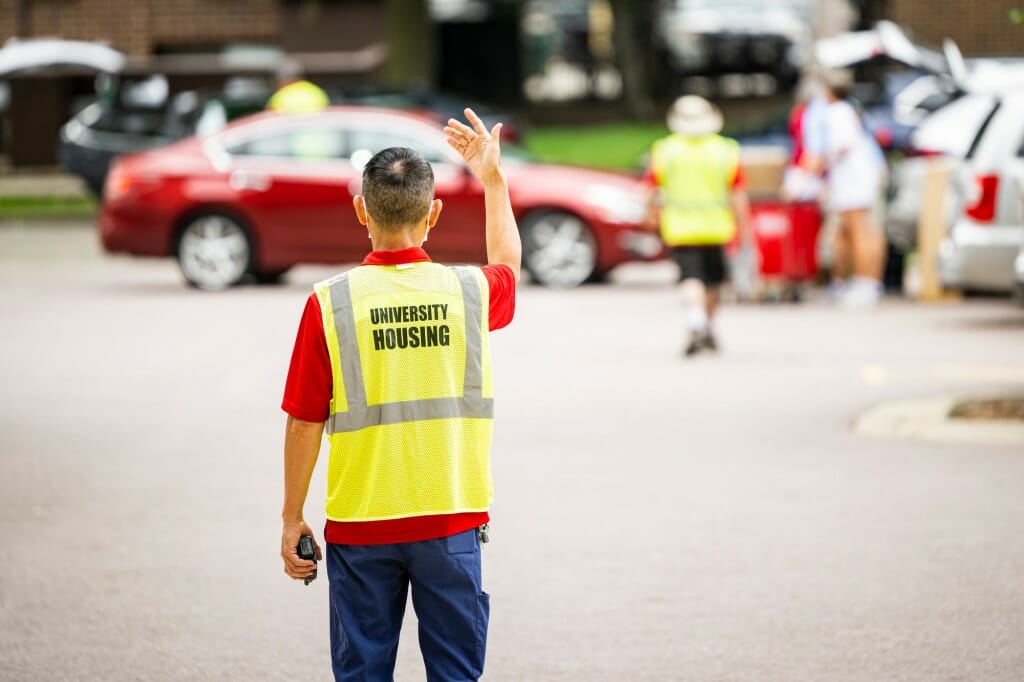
column 412, row 411
column 696, row 175
column 300, row 97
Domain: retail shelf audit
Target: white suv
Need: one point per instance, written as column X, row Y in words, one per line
column 987, row 229
column 949, row 136
column 1018, row 274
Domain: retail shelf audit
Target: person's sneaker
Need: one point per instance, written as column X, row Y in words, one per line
column 836, row 289
column 862, row 293
column 694, row 345
column 709, row 341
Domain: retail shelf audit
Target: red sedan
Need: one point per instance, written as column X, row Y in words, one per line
column 272, row 191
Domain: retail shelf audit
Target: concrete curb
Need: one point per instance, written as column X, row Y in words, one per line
column 52, row 183
column 928, row 419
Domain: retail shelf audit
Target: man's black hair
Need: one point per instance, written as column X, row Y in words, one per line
column 398, row 186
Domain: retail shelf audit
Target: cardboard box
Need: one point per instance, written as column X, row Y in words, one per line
column 763, row 168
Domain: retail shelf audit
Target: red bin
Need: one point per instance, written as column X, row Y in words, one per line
column 787, row 237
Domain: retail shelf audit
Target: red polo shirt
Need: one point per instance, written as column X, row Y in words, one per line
column 310, row 385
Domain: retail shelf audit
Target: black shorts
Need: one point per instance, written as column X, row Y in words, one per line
column 706, row 263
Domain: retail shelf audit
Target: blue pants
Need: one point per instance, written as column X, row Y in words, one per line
column 368, row 587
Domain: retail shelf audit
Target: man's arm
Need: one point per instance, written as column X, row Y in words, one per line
column 301, row 449
column 652, row 216
column 814, row 136
column 740, row 204
column 482, row 154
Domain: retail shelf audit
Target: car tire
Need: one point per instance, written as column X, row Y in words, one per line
column 95, row 186
column 214, row 251
column 559, row 249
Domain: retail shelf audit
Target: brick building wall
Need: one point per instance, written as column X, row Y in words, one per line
column 181, row 22
column 8, row 20
column 979, row 27
column 140, row 27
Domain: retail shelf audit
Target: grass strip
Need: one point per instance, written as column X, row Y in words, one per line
column 22, row 207
column 619, row 146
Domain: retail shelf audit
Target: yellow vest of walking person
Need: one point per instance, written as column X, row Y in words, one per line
column 299, row 97
column 696, row 175
column 411, row 416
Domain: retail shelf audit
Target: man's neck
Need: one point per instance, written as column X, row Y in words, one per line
column 392, row 244
column 394, row 240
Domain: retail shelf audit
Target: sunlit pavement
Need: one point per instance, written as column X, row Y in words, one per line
column 656, row 518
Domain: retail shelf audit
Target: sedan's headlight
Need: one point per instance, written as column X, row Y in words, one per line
column 616, row 204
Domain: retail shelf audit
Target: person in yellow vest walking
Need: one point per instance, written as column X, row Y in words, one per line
column 701, row 201
column 392, row 357
column 296, row 95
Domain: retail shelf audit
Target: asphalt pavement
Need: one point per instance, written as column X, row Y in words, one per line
column 656, row 518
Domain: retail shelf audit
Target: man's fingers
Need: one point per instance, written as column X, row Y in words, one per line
column 299, row 564
column 496, row 132
column 455, row 137
column 299, row 570
column 296, row 575
column 459, row 147
column 461, row 128
column 292, row 559
column 478, row 125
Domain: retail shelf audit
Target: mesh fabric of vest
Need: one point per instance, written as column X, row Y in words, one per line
column 417, row 467
column 696, row 176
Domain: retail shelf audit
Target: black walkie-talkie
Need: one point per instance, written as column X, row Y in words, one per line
column 307, row 550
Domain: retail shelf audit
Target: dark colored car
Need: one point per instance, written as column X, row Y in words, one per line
column 114, row 125
column 272, row 191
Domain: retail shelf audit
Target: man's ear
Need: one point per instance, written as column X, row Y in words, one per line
column 359, row 204
column 435, row 212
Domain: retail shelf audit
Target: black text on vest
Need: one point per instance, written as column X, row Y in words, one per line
column 416, row 336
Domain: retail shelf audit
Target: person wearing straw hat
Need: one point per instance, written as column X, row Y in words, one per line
column 295, row 94
column 702, row 202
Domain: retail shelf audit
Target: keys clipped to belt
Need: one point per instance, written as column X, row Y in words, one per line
column 484, row 533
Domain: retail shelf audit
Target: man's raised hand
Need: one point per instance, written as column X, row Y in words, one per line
column 480, row 149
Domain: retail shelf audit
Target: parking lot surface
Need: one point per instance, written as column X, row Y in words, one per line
column 656, row 518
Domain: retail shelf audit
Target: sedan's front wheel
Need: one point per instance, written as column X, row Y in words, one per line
column 559, row 249
column 214, row 251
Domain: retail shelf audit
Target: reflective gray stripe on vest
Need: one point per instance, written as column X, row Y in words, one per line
column 360, row 415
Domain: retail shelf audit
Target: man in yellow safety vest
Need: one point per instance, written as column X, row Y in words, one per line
column 702, row 201
column 393, row 357
column 295, row 94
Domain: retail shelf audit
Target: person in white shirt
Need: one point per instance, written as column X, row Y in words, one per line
column 855, row 173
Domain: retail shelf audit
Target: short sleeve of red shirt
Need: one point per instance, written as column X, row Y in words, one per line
column 502, row 283
column 738, row 181
column 650, row 179
column 310, row 384
column 307, row 393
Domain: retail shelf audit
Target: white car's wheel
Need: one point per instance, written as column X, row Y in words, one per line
column 559, row 249
column 214, row 251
